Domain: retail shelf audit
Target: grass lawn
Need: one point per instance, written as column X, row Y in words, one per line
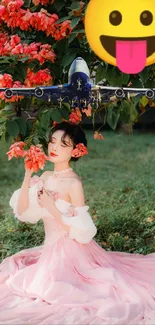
column 119, row 181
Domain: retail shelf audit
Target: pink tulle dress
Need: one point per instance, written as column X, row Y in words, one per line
column 70, row 279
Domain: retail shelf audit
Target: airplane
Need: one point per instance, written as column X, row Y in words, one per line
column 79, row 91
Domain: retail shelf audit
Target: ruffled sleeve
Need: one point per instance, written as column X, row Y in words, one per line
column 34, row 212
column 82, row 227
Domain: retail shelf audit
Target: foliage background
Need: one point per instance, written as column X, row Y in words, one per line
column 59, row 28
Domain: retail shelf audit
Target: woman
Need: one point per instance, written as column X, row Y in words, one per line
column 70, row 279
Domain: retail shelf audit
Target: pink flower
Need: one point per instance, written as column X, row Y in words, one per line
column 87, row 111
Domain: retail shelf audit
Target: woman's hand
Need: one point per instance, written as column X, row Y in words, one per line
column 28, row 173
column 46, row 199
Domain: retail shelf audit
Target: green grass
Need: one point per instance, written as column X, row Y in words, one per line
column 118, row 178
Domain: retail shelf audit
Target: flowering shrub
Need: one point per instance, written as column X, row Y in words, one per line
column 39, row 39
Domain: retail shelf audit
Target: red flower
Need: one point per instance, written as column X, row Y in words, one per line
column 75, row 116
column 17, row 150
column 42, row 2
column 35, row 158
column 42, row 77
column 55, row 123
column 80, row 150
column 6, row 80
column 98, row 136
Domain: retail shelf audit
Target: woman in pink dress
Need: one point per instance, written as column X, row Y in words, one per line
column 70, row 279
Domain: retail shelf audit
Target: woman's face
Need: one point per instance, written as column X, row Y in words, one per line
column 61, row 151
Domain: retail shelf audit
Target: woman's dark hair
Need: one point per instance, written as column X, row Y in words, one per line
column 74, row 131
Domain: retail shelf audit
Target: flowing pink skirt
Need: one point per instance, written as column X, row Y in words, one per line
column 68, row 283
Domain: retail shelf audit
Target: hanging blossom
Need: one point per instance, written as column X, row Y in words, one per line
column 62, row 30
column 17, row 150
column 41, row 77
column 75, row 117
column 14, row 16
column 98, row 136
column 34, row 157
column 10, row 45
column 87, row 111
column 42, row 2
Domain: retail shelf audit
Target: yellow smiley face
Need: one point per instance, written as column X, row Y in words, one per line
column 122, row 33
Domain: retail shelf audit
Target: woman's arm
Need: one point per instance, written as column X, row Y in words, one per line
column 23, row 200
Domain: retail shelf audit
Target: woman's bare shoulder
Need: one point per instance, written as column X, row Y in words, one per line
column 46, row 174
column 75, row 177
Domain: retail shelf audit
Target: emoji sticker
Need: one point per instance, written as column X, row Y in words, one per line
column 122, row 33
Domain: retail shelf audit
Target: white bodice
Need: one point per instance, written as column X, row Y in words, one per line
column 82, row 228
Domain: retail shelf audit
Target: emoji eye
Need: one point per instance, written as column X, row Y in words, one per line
column 115, row 18
column 146, row 18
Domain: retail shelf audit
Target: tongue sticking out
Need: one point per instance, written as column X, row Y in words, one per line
column 131, row 56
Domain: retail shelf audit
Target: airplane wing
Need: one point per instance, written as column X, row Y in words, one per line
column 50, row 93
column 122, row 92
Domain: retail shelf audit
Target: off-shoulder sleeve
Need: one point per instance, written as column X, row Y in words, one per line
column 82, row 227
column 34, row 212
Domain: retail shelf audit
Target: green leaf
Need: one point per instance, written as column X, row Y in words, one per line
column 65, row 111
column 3, row 142
column 125, row 78
column 3, row 119
column 27, row 3
column 59, row 4
column 100, row 73
column 144, row 75
column 24, row 59
column 136, row 99
column 125, row 111
column 133, row 112
column 62, row 19
column 75, row 21
column 77, row 31
column 68, row 59
column 71, row 13
column 71, row 37
column 136, row 83
column 75, row 5
column 36, row 140
column 4, row 61
column 29, row 124
column 2, row 128
column 56, row 116
column 67, row 106
column 44, row 120
column 22, row 125
column 113, row 116
column 12, row 128
column 144, row 101
column 8, row 107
